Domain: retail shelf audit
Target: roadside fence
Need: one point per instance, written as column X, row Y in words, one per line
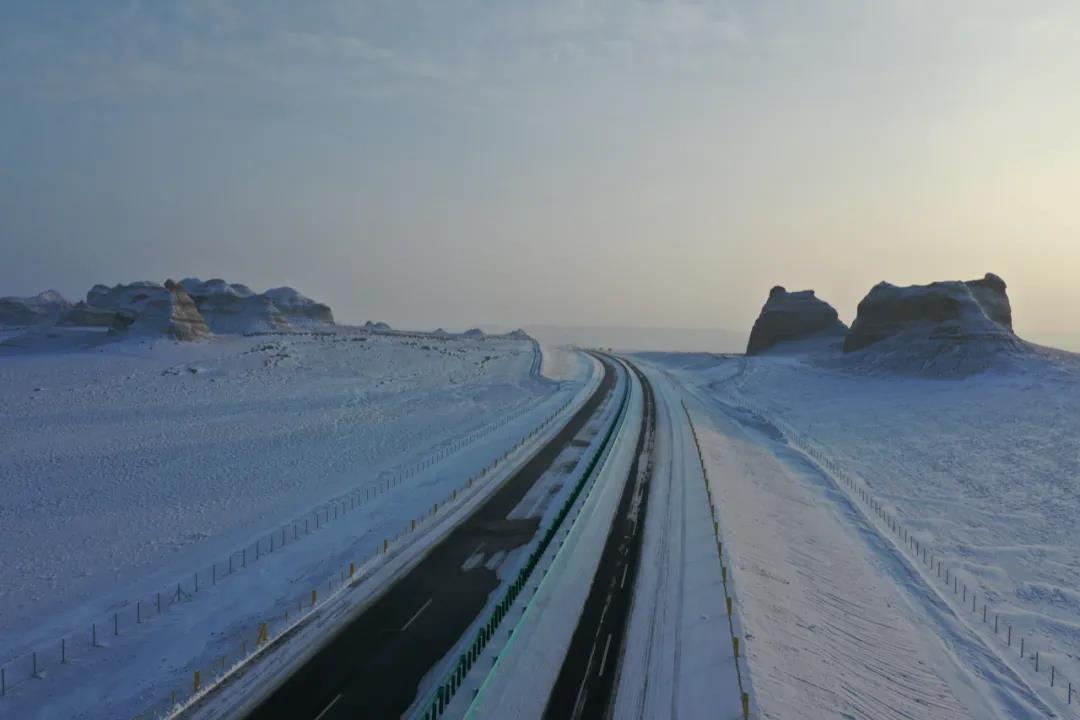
column 934, row 564
column 129, row 617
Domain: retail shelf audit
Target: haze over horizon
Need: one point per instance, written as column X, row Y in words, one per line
column 657, row 164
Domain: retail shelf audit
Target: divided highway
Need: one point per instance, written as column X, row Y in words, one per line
column 374, row 666
column 586, row 681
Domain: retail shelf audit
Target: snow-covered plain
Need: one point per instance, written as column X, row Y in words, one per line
column 983, row 470
column 136, row 464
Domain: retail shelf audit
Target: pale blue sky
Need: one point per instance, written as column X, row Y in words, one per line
column 570, row 161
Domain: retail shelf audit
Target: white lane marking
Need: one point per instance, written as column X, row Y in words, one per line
column 623, row 581
column 413, row 618
column 327, row 708
column 603, row 663
column 603, row 614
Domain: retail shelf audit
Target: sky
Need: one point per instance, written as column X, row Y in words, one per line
column 573, row 162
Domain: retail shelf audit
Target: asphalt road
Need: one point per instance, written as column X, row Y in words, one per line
column 586, row 682
column 373, row 667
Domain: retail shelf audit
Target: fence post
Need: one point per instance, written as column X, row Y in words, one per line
column 746, row 705
column 197, row 683
column 63, row 650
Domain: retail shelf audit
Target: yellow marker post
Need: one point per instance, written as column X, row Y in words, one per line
column 746, row 705
column 264, row 635
column 729, row 605
column 735, row 644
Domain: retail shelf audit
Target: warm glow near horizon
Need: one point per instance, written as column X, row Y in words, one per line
column 641, row 163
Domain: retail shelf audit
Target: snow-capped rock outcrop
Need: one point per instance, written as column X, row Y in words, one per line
column 473, row 333
column 149, row 308
column 377, row 326
column 235, row 308
column 942, row 329
column 790, row 316
column 84, row 315
column 946, row 312
column 298, row 309
column 41, row 309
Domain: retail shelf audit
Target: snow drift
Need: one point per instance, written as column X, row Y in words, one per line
column 790, row 316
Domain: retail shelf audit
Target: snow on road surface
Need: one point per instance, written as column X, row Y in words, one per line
column 678, row 661
column 525, row 668
column 838, row 619
column 129, row 467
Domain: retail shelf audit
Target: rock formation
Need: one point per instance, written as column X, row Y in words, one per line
column 148, row 308
column 299, row 310
column 376, row 326
column 950, row 313
column 234, row 308
column 40, row 309
column 84, row 315
column 793, row 316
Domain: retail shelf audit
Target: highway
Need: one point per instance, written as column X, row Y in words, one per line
column 374, row 666
column 586, row 680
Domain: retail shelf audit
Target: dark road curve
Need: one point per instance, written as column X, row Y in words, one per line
column 372, row 668
column 586, row 683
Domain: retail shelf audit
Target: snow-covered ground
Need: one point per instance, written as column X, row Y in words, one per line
column 840, row 618
column 132, row 467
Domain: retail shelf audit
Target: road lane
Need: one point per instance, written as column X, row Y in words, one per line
column 373, row 667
